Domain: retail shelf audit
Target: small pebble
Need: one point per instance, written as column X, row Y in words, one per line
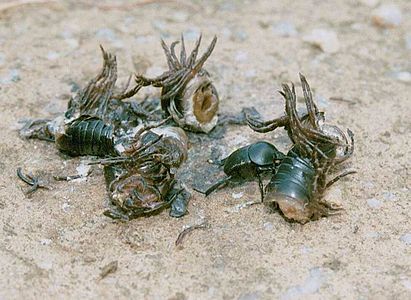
column 374, row 203
column 237, row 195
column 306, row 250
column 65, row 207
column 107, row 34
column 311, row 285
column 12, row 76
column 45, row 242
column 325, row 39
column 389, row 196
column 402, row 76
column 285, row 29
column 406, row 238
column 387, row 15
column 268, row 225
column 372, row 234
column 51, row 55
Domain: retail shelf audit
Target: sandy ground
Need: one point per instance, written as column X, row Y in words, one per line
column 55, row 244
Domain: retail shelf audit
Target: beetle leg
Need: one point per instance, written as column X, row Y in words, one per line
column 261, row 186
column 220, row 163
column 215, row 186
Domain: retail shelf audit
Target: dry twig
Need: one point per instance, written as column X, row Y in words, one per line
column 108, row 269
column 189, row 229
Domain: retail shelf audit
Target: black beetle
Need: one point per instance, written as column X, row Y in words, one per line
column 247, row 163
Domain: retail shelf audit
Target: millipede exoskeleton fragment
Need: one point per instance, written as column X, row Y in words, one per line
column 140, row 164
column 142, row 181
column 299, row 183
column 188, row 94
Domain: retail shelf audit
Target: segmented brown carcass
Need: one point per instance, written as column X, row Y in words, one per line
column 142, row 181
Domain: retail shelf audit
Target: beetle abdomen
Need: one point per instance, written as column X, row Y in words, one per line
column 236, row 160
column 87, row 136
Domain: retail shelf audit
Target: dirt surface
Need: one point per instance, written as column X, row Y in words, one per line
column 57, row 244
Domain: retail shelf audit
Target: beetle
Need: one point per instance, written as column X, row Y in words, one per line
column 298, row 186
column 247, row 163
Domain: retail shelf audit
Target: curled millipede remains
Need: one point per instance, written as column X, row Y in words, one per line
column 188, row 94
column 298, row 185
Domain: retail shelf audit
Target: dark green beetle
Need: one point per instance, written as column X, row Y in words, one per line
column 249, row 162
